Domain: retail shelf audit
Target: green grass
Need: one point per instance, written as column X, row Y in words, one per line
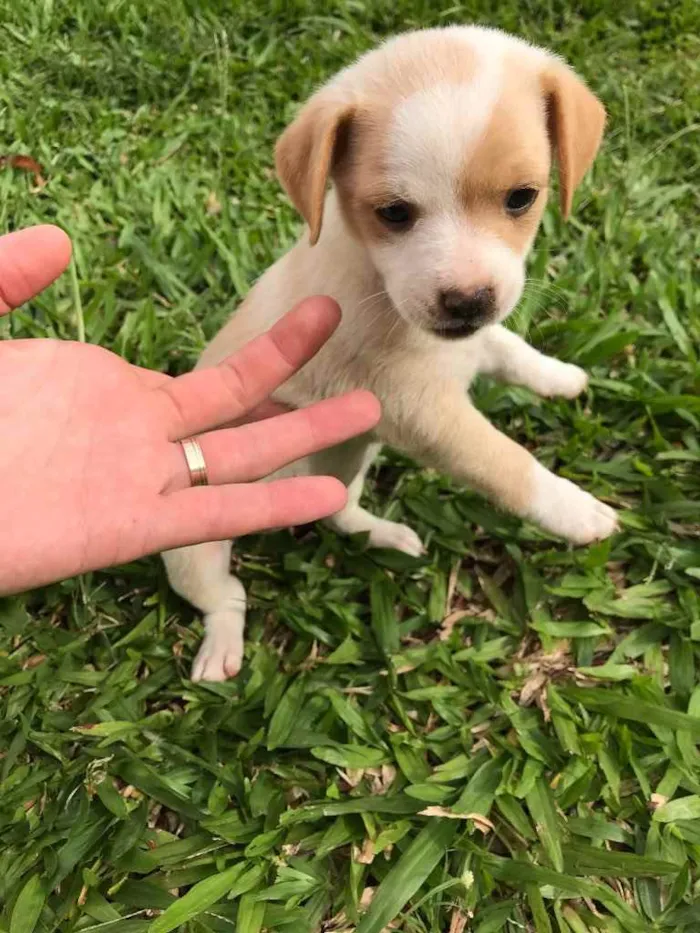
column 554, row 692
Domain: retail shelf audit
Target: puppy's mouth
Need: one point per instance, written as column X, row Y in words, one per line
column 457, row 330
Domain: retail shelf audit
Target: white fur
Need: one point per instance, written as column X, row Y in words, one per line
column 567, row 511
column 433, row 132
column 385, row 292
column 507, row 357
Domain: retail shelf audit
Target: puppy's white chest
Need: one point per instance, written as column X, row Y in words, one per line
column 461, row 360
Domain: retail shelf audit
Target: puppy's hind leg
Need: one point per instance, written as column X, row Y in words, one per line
column 382, row 533
column 201, row 575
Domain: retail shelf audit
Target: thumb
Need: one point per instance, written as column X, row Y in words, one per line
column 30, row 260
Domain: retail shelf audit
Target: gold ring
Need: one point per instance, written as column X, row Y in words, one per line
column 196, row 463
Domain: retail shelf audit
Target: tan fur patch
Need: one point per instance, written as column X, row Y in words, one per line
column 576, row 124
column 384, row 81
column 361, row 177
column 513, row 152
column 305, row 151
column 395, row 72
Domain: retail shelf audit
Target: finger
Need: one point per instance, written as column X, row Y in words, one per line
column 262, row 412
column 30, row 260
column 208, row 398
column 216, row 513
column 251, row 451
column 267, row 409
column 150, row 378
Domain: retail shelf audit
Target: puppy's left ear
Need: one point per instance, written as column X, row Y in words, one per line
column 576, row 119
column 305, row 152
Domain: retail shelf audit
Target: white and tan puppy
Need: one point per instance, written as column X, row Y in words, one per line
column 438, row 148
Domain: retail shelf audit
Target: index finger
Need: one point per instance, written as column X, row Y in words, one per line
column 30, row 260
column 207, row 398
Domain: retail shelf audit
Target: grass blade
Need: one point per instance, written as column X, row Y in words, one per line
column 541, row 806
column 198, row 899
column 28, row 906
column 684, row 808
column 479, row 794
column 384, row 622
column 409, row 873
column 629, row 707
column 590, row 860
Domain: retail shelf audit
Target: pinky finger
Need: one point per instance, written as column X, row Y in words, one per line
column 215, row 513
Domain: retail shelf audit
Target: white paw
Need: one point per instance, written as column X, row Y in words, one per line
column 221, row 652
column 385, row 534
column 562, row 379
column 564, row 509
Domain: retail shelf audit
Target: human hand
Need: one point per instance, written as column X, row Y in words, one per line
column 92, row 474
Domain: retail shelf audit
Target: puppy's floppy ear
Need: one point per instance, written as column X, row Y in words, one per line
column 305, row 152
column 576, row 119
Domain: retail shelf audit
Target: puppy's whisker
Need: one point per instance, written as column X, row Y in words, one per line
column 379, row 303
column 376, row 298
column 542, row 284
column 367, row 312
column 379, row 294
column 394, row 327
column 545, row 290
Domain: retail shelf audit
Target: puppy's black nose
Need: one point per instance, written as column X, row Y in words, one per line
column 468, row 307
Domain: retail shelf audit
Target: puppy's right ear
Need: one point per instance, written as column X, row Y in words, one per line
column 305, row 151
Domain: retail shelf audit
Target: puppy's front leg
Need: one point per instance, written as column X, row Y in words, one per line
column 509, row 358
column 382, row 533
column 448, row 433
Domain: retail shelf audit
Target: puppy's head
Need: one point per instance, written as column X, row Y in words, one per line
column 440, row 145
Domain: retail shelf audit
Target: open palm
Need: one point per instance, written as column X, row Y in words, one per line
column 91, row 470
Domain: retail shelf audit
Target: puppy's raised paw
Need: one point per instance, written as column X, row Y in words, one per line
column 566, row 510
column 562, row 379
column 221, row 652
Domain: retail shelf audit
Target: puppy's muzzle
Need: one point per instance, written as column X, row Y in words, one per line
column 461, row 314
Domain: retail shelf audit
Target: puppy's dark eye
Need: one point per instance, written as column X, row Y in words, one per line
column 397, row 216
column 520, row 200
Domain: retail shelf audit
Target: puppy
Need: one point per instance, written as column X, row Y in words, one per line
column 438, row 146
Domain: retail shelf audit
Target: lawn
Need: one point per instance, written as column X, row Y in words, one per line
column 551, row 693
